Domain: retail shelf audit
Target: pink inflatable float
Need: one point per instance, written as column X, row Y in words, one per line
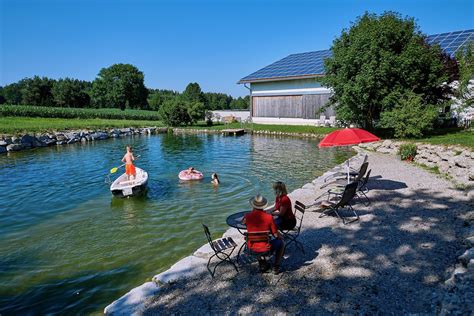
column 196, row 175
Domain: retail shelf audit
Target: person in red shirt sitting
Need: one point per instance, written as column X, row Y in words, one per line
column 258, row 220
column 286, row 219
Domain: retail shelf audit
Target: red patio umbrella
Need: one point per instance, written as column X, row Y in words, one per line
column 347, row 137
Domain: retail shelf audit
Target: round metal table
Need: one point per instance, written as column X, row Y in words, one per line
column 235, row 220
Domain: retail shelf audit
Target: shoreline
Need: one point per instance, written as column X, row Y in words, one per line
column 194, row 264
column 13, row 143
column 409, row 240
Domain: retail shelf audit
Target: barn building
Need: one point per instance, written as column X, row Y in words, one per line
column 289, row 92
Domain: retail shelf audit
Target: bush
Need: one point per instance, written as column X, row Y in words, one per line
column 408, row 117
column 181, row 112
column 407, row 151
column 208, row 116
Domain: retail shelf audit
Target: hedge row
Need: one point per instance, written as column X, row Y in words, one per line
column 56, row 112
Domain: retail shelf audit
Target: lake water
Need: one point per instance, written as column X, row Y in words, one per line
column 67, row 246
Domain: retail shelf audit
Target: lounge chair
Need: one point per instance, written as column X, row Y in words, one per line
column 362, row 188
column 352, row 172
column 340, row 179
column 340, row 202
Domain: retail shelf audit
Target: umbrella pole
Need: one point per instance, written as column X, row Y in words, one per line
column 347, row 166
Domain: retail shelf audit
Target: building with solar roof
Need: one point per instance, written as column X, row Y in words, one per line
column 289, row 92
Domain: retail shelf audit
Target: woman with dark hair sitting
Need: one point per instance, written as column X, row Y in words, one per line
column 286, row 219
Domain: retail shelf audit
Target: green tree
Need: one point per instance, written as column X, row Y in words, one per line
column 71, row 93
column 465, row 59
column 2, row 97
column 241, row 103
column 409, row 116
column 193, row 93
column 157, row 97
column 120, row 85
column 378, row 57
column 37, row 91
column 217, row 101
column 12, row 92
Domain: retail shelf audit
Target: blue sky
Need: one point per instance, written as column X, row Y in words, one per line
column 214, row 43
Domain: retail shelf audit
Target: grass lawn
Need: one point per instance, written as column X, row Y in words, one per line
column 452, row 137
column 264, row 127
column 12, row 125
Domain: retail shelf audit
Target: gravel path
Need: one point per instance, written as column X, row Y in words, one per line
column 394, row 260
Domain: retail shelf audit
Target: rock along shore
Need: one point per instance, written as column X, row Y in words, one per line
column 10, row 143
column 16, row 143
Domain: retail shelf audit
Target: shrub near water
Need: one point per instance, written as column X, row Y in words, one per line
column 407, row 151
column 56, row 112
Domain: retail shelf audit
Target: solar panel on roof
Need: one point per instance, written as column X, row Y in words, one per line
column 312, row 63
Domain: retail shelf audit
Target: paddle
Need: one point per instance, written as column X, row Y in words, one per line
column 114, row 170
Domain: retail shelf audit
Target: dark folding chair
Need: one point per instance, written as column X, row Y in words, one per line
column 341, row 202
column 252, row 237
column 221, row 249
column 362, row 189
column 291, row 235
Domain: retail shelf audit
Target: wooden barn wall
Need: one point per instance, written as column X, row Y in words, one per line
column 294, row 106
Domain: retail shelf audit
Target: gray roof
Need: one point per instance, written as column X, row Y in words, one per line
column 311, row 64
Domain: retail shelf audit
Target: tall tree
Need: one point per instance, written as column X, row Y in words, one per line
column 120, row 85
column 193, row 93
column 465, row 90
column 37, row 91
column 378, row 58
column 12, row 92
column 71, row 93
column 157, row 97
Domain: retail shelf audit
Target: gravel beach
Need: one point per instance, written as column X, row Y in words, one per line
column 394, row 260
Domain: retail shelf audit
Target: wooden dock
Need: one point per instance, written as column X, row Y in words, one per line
column 233, row 132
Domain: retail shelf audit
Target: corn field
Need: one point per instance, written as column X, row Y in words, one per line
column 56, row 112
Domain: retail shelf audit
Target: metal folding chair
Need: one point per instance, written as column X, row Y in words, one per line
column 253, row 237
column 221, row 249
column 291, row 235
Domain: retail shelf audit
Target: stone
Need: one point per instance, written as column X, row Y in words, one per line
column 3, row 143
column 71, row 135
column 384, row 150
column 14, row 147
column 72, row 141
column 134, row 301
column 470, row 241
column 467, row 256
column 83, row 139
column 387, row 143
column 60, row 142
column 3, row 149
column 443, row 166
column 60, row 137
column 462, row 161
column 186, row 267
column 38, row 143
